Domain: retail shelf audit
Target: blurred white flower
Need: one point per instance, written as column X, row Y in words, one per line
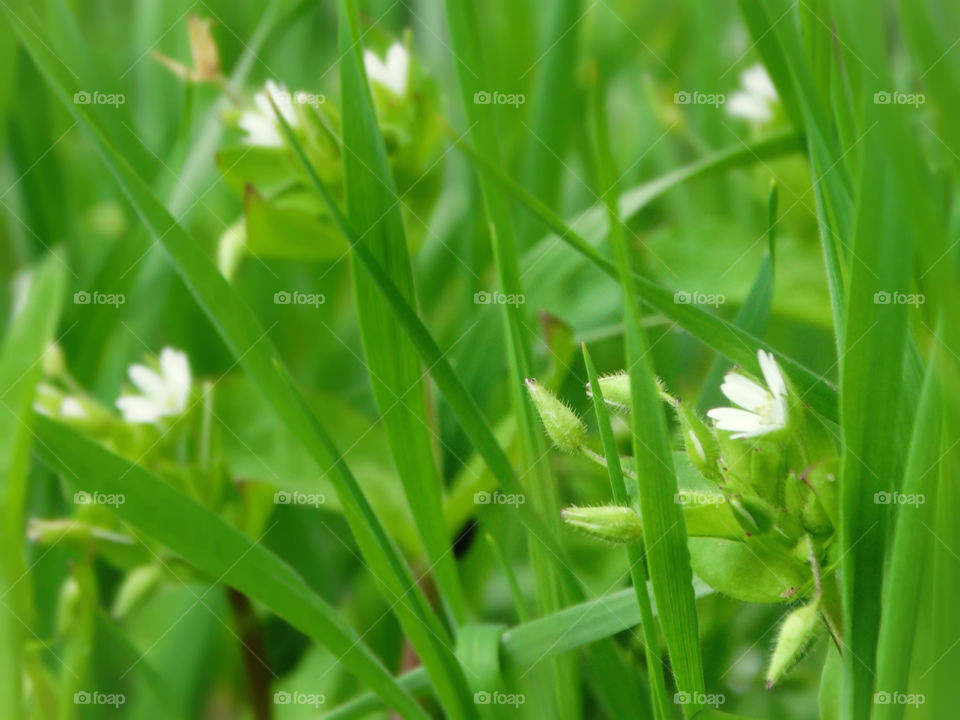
column 260, row 123
column 391, row 72
column 51, row 402
column 164, row 393
column 754, row 102
column 764, row 408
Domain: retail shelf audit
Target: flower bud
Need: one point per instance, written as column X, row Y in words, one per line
column 616, row 391
column 755, row 515
column 613, row 523
column 54, row 363
column 561, row 423
column 796, row 633
column 700, row 444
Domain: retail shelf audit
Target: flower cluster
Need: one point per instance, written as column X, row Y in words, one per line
column 761, row 515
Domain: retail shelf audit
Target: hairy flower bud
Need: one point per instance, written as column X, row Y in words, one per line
column 797, row 631
column 613, row 523
column 561, row 423
column 616, row 391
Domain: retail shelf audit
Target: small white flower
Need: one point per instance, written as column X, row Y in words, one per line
column 70, row 407
column 764, row 408
column 391, row 73
column 754, row 101
column 164, row 393
column 51, row 402
column 260, row 124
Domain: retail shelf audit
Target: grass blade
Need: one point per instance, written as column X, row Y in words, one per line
column 909, row 550
column 214, row 547
column 664, row 532
column 651, row 643
column 20, row 366
column 736, row 345
column 392, row 363
column 249, row 343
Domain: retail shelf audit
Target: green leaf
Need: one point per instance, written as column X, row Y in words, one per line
column 525, row 645
column 20, row 367
column 254, row 351
column 288, row 233
column 664, row 533
column 651, row 642
column 909, row 552
column 395, row 371
column 212, row 546
column 738, row 346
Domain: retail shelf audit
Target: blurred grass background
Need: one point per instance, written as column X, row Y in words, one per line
column 707, row 236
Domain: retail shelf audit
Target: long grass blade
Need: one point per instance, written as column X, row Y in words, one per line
column 215, row 548
column 21, row 359
column 392, row 363
column 664, row 532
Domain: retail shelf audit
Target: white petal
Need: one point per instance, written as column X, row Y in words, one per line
column 283, row 100
column 149, row 382
column 748, row 106
column 138, row 409
column 176, row 376
column 393, row 72
column 733, row 420
column 745, row 392
column 71, row 408
column 260, row 130
column 772, row 374
column 757, row 82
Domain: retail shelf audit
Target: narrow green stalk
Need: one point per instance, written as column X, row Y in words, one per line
column 664, row 531
column 635, row 555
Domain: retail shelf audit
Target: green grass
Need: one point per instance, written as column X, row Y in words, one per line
column 352, row 507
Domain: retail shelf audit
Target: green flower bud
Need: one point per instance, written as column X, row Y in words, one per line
column 755, row 515
column 138, row 585
column 68, row 606
column 613, row 523
column 54, row 363
column 796, row 634
column 615, row 389
column 561, row 423
column 700, row 444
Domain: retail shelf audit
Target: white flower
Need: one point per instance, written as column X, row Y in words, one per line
column 51, row 402
column 392, row 73
column 164, row 393
column 260, row 124
column 754, row 101
column 764, row 408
